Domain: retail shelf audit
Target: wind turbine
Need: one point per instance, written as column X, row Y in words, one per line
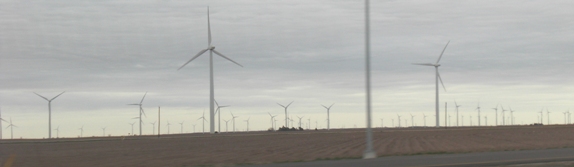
column 81, row 131
column 227, row 121
column 437, row 78
column 104, row 131
column 1, row 119
column 286, row 115
column 457, row 106
column 248, row 123
column 425, row 119
column 233, row 118
column 496, row 114
column 132, row 127
column 412, row 119
column 503, row 123
column 478, row 108
column 219, row 115
column 212, row 50
column 382, row 123
column 203, row 122
column 181, row 130
column 309, row 124
column 511, row 116
column 541, row 115
column 153, row 129
column 141, row 111
column 272, row 116
column 57, row 132
column 300, row 121
column 328, row 117
column 193, row 128
column 11, row 126
column 49, row 111
column 399, row 120
column 168, row 124
column 548, row 115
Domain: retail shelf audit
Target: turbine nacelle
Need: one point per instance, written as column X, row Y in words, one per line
column 211, row 48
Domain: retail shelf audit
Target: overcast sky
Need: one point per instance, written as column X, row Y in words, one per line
column 106, row 54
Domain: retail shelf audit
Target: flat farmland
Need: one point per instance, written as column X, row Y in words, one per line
column 228, row 149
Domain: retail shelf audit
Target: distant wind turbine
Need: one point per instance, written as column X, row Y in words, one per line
column 478, row 109
column 11, row 126
column 248, row 123
column 437, row 78
column 168, row 124
column 81, row 131
column 227, row 121
column 425, row 119
column 218, row 110
column 1, row 120
column 328, row 117
column 548, row 115
column 57, row 132
column 511, row 116
column 541, row 115
column 181, row 130
column 399, row 120
column 153, row 127
column 104, row 131
column 49, row 111
column 212, row 50
column 141, row 111
column 286, row 115
column 202, row 118
column 503, row 110
column 300, row 120
column 272, row 117
column 132, row 127
column 457, row 106
column 412, row 119
column 496, row 114
column 233, row 118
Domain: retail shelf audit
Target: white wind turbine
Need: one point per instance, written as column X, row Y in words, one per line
column 511, row 116
column 168, row 124
column 212, row 50
column 548, row 115
column 541, row 115
column 141, row 111
column 203, row 122
column 153, row 127
column 1, row 119
column 104, row 131
column 286, row 115
column 503, row 110
column 478, row 109
column 399, row 120
column 233, row 118
column 57, row 132
column 49, row 111
column 437, row 78
column 226, row 121
column 382, row 123
column 81, row 131
column 181, row 130
column 218, row 112
column 300, row 120
column 425, row 119
column 496, row 115
column 193, row 128
column 11, row 126
column 247, row 123
column 272, row 117
column 457, row 106
column 132, row 127
column 412, row 119
column 328, row 117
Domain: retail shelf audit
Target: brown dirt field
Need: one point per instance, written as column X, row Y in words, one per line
column 268, row 147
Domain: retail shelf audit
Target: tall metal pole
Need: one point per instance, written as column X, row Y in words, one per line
column 140, row 119
column 369, row 152
column 445, row 115
column 211, row 96
column 158, row 121
column 436, row 99
column 50, row 119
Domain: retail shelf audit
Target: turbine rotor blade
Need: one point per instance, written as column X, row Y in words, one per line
column 143, row 112
column 440, row 79
column 281, row 105
column 143, row 98
column 208, row 28
column 423, row 64
column 197, row 55
column 216, row 52
column 134, row 104
column 57, row 96
column 41, row 96
column 442, row 52
column 290, row 103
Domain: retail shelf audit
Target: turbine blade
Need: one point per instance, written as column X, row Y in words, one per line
column 224, row 106
column 41, row 96
column 331, row 105
column 208, row 28
column 423, row 64
column 143, row 112
column 134, row 104
column 324, row 106
column 281, row 105
column 57, row 96
column 442, row 52
column 216, row 52
column 143, row 98
column 217, row 104
column 197, row 55
column 290, row 103
column 440, row 79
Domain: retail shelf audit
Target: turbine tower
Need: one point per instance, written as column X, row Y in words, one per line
column 49, row 112
column 437, row 78
column 212, row 50
column 226, row 121
column 181, row 130
column 233, row 118
column 412, row 120
column 300, row 120
column 286, row 115
column 425, row 119
column 328, row 117
column 11, row 126
column 548, row 116
column 503, row 110
column 132, row 127
column 1, row 124
column 218, row 111
column 478, row 108
column 202, row 122
column 457, row 106
column 141, row 111
column 104, row 131
column 496, row 115
column 81, row 131
column 153, row 128
column 511, row 116
column 248, row 123
column 57, row 132
column 272, row 117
